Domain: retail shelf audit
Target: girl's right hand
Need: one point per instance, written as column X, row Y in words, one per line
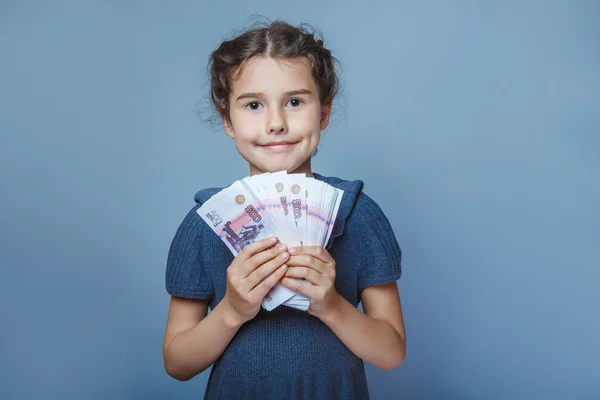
column 251, row 275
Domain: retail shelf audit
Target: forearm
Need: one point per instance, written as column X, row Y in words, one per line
column 373, row 340
column 194, row 350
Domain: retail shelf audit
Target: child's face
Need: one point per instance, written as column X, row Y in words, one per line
column 275, row 101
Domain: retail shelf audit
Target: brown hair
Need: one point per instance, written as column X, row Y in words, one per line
column 278, row 40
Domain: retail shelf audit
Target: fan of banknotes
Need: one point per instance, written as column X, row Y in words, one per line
column 297, row 209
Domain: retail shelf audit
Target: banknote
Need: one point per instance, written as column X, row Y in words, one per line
column 239, row 218
column 297, row 203
column 298, row 210
column 264, row 188
column 322, row 203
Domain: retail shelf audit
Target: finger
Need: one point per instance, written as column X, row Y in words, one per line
column 261, row 258
column 256, row 247
column 309, row 274
column 309, row 262
column 315, row 251
column 261, row 290
column 266, row 269
column 309, row 291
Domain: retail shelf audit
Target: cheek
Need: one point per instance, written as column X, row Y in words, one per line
column 306, row 124
column 247, row 129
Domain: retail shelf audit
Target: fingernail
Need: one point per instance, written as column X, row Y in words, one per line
column 281, row 247
column 284, row 267
column 283, row 255
column 292, row 250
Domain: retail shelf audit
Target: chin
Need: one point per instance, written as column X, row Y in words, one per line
column 275, row 168
column 280, row 166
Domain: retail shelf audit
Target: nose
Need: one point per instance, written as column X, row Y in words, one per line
column 276, row 122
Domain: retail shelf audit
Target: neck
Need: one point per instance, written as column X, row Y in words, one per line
column 305, row 168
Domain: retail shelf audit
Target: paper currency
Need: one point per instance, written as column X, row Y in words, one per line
column 299, row 210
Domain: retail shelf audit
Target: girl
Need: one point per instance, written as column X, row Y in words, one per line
column 274, row 88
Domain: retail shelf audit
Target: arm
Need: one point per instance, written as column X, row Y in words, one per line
column 193, row 341
column 377, row 335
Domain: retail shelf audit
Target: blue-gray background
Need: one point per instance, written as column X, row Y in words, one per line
column 475, row 126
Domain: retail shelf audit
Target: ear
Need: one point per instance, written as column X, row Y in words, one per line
column 228, row 127
column 325, row 113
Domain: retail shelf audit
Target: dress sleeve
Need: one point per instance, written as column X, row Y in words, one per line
column 186, row 275
column 381, row 253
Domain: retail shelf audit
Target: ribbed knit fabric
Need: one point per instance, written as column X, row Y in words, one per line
column 286, row 353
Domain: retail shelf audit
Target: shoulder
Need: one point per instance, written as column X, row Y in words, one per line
column 351, row 190
column 192, row 224
column 203, row 195
column 367, row 207
column 378, row 241
column 369, row 218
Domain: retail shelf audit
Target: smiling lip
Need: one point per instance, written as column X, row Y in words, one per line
column 279, row 146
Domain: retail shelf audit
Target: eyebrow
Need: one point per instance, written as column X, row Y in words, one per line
column 259, row 94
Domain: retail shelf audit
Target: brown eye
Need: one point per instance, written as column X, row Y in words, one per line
column 255, row 105
column 295, row 102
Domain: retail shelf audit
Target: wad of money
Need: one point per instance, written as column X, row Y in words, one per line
column 298, row 210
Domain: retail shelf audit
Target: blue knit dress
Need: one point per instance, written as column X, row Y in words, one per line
column 286, row 353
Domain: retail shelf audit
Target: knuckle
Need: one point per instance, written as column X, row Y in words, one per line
column 245, row 250
column 261, row 273
column 233, row 281
column 251, row 264
column 274, row 253
column 250, row 301
column 266, row 284
column 319, row 251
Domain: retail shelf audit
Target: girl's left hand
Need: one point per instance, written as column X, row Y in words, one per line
column 316, row 265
